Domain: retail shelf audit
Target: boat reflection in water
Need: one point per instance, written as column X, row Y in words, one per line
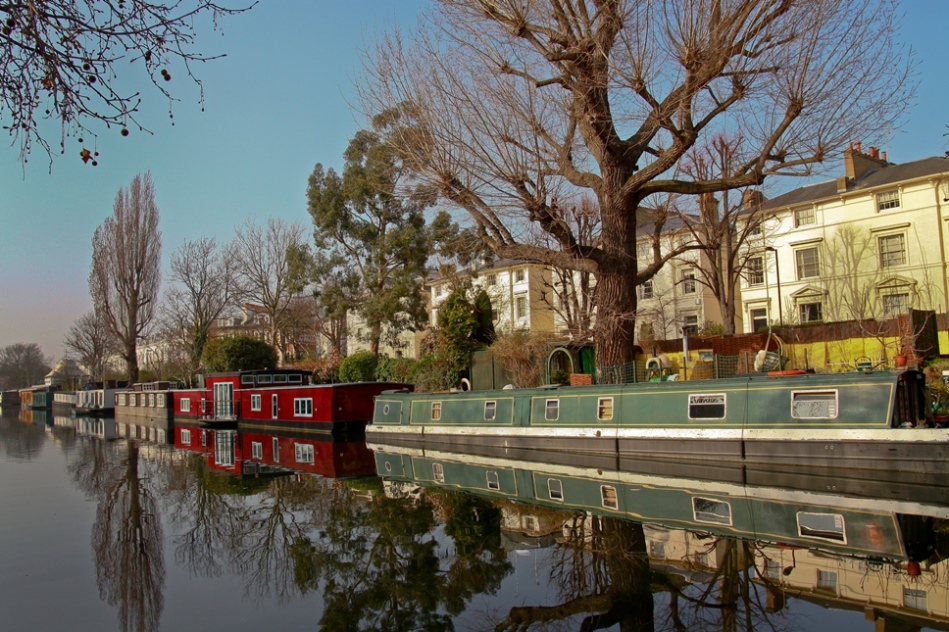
column 248, row 451
column 713, row 545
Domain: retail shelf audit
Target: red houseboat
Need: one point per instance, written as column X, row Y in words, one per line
column 282, row 399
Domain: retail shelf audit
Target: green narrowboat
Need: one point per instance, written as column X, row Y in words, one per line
column 872, row 527
column 869, row 420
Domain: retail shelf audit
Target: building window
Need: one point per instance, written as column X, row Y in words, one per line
column 811, row 312
column 755, row 267
column 827, row 580
column 257, row 450
column 690, row 325
column 492, row 279
column 646, row 333
column 518, row 276
column 185, row 405
column 303, row 407
column 657, row 548
column 758, row 318
column 645, row 290
column 437, row 290
column 895, row 304
column 520, row 307
column 772, row 568
column 688, row 282
column 255, row 401
column 804, row 216
column 888, row 200
column 304, row 453
column 808, row 264
column 892, row 251
column 643, row 250
column 915, row 599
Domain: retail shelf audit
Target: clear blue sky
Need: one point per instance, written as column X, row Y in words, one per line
column 275, row 106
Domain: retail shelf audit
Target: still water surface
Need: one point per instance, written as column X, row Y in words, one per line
column 121, row 534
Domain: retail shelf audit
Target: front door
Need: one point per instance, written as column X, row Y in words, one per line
column 273, row 405
column 223, row 400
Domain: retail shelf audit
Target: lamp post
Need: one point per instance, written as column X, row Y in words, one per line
column 777, row 272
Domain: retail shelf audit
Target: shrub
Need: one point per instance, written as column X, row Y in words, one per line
column 238, row 353
column 359, row 367
column 394, row 369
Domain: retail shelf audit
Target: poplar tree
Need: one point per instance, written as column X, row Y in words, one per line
column 126, row 267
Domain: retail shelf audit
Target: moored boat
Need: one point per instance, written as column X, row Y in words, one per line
column 871, row 420
column 282, row 400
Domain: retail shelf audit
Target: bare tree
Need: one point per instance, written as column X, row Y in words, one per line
column 126, row 267
column 261, row 257
column 61, row 60
column 513, row 104
column 23, row 364
column 92, row 342
column 203, row 286
column 572, row 293
column 727, row 229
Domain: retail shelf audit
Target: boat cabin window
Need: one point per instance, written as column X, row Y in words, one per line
column 276, row 450
column 204, row 438
column 303, row 407
column 821, row 526
column 438, row 472
column 608, row 497
column 492, row 480
column 304, row 453
column 711, row 511
column 161, row 400
column 296, row 378
column 706, row 405
column 186, row 437
column 257, row 450
column 604, row 409
column 436, row 411
column 552, row 410
column 255, row 402
column 490, row 410
column 264, row 379
column 122, row 399
column 247, row 378
column 280, row 379
column 555, row 488
column 814, row 404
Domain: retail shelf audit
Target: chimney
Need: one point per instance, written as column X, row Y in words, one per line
column 842, row 183
column 857, row 163
column 751, row 199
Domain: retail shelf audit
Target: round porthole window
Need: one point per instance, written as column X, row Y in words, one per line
column 388, row 467
column 385, row 409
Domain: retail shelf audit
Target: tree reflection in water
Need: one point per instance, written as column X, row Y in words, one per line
column 127, row 534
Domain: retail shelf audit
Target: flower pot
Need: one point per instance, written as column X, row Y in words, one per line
column 899, row 361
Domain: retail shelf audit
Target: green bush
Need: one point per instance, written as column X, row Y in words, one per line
column 394, row 369
column 359, row 367
column 238, row 353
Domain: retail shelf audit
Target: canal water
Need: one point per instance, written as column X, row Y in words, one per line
column 101, row 531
